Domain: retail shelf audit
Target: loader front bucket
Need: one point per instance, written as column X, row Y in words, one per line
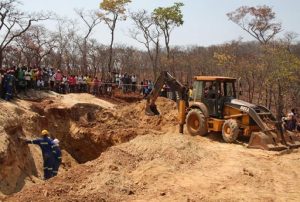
column 151, row 110
column 266, row 141
column 292, row 139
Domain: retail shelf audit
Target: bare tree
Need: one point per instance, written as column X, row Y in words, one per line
column 14, row 23
column 147, row 33
column 91, row 19
column 289, row 38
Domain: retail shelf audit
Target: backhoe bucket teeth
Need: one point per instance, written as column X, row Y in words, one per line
column 151, row 110
column 270, row 141
column 292, row 139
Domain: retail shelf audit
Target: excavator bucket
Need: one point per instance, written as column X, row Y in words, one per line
column 151, row 110
column 270, row 141
column 273, row 141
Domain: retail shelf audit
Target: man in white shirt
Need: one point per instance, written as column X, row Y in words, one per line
column 133, row 81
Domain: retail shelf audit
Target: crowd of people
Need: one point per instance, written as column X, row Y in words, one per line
column 16, row 80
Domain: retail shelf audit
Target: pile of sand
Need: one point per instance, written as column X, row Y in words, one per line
column 173, row 167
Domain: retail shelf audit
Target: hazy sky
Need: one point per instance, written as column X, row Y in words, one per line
column 205, row 21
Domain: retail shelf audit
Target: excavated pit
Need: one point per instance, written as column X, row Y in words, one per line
column 84, row 130
column 71, row 127
column 85, row 126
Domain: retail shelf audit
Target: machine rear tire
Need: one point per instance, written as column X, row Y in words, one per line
column 196, row 123
column 230, row 130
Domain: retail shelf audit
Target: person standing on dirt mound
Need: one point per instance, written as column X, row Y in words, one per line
column 45, row 144
column 9, row 85
column 57, row 156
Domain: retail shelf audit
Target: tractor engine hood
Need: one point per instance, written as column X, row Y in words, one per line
column 242, row 103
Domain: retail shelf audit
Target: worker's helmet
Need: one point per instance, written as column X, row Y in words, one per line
column 45, row 132
column 56, row 142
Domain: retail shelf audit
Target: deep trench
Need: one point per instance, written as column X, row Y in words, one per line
column 84, row 130
column 73, row 127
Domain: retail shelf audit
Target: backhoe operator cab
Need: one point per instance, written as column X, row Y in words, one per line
column 213, row 92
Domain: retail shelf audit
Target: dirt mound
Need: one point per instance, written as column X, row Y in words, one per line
column 86, row 126
column 173, row 167
column 136, row 112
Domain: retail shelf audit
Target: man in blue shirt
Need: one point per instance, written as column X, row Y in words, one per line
column 45, row 144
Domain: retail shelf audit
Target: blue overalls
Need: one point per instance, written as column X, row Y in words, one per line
column 45, row 144
column 57, row 159
column 9, row 83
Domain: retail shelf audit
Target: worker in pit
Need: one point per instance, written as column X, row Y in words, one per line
column 45, row 144
column 57, row 156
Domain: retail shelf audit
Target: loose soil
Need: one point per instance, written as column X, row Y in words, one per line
column 116, row 153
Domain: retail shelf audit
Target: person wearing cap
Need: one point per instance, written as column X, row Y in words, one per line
column 45, row 144
column 57, row 156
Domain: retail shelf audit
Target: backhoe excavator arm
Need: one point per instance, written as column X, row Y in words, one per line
column 180, row 91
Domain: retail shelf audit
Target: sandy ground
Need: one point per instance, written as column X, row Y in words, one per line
column 172, row 167
column 145, row 159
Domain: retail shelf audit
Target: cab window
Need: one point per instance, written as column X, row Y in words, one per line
column 197, row 90
column 229, row 89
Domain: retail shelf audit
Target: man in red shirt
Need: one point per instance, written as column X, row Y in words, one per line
column 72, row 83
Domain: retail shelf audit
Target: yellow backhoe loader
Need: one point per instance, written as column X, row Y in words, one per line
column 214, row 107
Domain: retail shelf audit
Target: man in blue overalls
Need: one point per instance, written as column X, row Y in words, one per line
column 57, row 156
column 9, row 85
column 45, row 144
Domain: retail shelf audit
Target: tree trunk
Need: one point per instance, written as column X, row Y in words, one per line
column 270, row 98
column 111, row 51
column 1, row 58
column 280, row 103
column 84, row 62
column 266, row 97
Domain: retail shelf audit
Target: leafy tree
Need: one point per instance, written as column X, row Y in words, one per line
column 167, row 18
column 111, row 12
column 258, row 21
column 283, row 76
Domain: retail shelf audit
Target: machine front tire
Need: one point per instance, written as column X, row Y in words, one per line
column 196, row 123
column 230, row 130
